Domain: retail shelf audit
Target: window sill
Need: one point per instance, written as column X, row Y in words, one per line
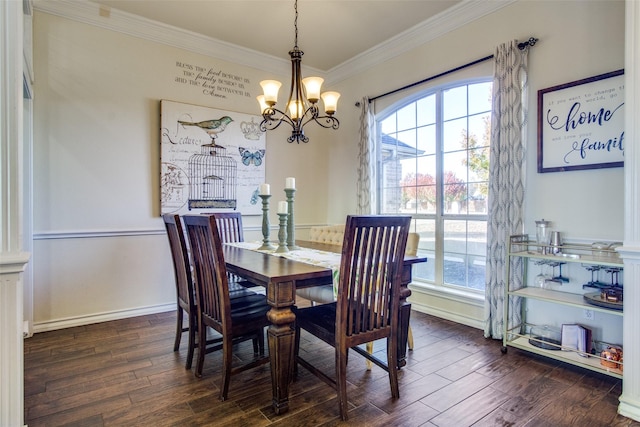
column 458, row 295
column 456, row 305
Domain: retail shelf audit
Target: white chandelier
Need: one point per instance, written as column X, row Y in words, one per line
column 302, row 104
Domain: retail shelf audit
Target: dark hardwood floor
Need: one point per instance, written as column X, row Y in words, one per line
column 125, row 373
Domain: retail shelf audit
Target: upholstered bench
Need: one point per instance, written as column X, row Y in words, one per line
column 329, row 234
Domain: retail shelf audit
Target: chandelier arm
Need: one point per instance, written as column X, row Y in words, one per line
column 270, row 124
column 330, row 122
column 327, row 121
column 272, row 118
column 311, row 113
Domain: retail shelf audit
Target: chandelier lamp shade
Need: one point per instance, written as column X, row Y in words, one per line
column 302, row 105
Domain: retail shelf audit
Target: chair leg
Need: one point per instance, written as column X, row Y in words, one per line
column 370, row 351
column 392, row 363
column 261, row 342
column 341, row 382
column 202, row 345
column 192, row 340
column 410, row 338
column 227, row 348
column 176, row 343
column 296, row 351
column 254, row 340
column 258, row 343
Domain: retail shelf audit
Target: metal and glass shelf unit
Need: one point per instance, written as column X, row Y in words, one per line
column 520, row 288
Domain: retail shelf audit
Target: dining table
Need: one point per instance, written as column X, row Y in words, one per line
column 281, row 275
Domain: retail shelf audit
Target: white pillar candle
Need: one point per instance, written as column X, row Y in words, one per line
column 265, row 189
column 282, row 208
column 290, row 183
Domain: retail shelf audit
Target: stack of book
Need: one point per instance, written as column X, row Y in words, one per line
column 577, row 338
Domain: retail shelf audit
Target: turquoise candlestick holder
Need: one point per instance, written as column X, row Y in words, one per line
column 266, row 244
column 291, row 228
column 282, row 234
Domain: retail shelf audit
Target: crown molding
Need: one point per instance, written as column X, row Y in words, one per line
column 90, row 13
column 451, row 19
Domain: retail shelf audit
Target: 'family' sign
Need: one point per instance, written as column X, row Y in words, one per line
column 581, row 124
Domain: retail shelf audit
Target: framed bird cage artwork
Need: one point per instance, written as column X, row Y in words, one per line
column 210, row 160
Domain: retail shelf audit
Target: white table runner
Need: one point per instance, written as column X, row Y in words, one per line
column 309, row 256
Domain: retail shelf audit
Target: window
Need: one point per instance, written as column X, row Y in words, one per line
column 434, row 164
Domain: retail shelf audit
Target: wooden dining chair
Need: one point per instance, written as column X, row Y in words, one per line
column 235, row 319
column 368, row 300
column 231, row 231
column 184, row 284
column 185, row 288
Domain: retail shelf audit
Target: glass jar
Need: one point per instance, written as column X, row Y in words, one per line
column 542, row 235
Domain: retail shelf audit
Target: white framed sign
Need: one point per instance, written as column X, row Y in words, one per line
column 581, row 124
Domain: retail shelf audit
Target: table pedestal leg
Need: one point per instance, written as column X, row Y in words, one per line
column 281, row 337
column 403, row 332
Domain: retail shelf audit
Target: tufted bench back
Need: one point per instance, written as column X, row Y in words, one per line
column 328, row 234
column 334, row 235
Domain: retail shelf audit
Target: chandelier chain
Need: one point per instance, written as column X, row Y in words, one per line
column 295, row 23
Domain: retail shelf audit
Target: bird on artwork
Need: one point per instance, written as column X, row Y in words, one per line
column 211, row 127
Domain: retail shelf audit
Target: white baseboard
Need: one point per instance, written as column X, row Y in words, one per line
column 447, row 315
column 123, row 314
column 629, row 408
column 101, row 317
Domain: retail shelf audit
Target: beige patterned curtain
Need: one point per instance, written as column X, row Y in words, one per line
column 506, row 182
column 366, row 183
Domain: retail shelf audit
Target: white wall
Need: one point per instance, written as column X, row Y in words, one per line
column 100, row 248
column 576, row 40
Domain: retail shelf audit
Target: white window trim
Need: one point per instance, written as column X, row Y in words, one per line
column 459, row 294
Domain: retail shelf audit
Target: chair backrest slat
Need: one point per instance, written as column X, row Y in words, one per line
column 211, row 272
column 229, row 226
column 370, row 272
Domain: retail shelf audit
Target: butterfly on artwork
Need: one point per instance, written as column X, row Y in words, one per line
column 248, row 157
column 254, row 197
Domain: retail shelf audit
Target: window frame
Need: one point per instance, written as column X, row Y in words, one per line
column 439, row 217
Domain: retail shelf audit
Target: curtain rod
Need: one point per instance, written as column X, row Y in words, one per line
column 532, row 41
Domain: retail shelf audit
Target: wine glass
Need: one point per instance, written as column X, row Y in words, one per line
column 540, row 280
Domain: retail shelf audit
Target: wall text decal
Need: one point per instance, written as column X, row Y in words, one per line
column 211, row 81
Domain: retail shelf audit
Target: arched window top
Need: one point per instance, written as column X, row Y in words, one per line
column 387, row 111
